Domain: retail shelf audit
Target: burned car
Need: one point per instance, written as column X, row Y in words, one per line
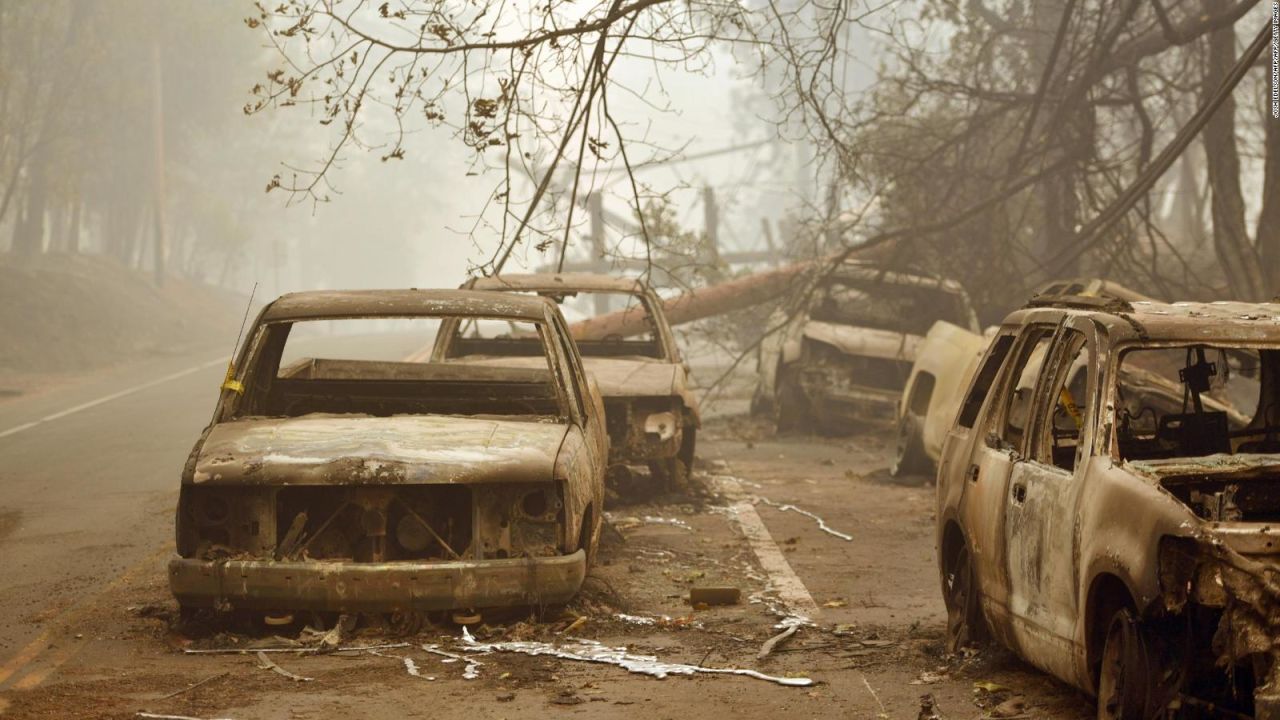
column 846, row 359
column 1108, row 500
column 355, row 480
column 945, row 362
column 650, row 410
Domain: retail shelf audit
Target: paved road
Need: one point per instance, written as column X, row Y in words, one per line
column 86, row 494
column 90, row 474
column 86, row 523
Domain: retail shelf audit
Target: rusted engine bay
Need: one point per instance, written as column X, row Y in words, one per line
column 1218, row 586
column 371, row 523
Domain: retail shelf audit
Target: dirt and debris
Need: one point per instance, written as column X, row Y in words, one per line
column 880, row 626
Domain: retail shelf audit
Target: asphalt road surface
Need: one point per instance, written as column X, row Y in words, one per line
column 91, row 471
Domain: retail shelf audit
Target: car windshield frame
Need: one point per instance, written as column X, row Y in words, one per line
column 259, row 356
column 1119, row 351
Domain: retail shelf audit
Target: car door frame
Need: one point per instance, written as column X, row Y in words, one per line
column 1040, row 528
column 986, row 480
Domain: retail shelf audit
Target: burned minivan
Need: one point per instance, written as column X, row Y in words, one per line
column 845, row 359
column 345, row 472
column 1109, row 503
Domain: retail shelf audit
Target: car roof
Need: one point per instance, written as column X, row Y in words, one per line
column 533, row 282
column 319, row 304
column 1208, row 322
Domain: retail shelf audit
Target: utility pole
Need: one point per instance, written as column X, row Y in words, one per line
column 711, row 224
column 157, row 119
column 595, row 208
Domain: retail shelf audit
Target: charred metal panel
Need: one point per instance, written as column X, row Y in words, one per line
column 643, row 428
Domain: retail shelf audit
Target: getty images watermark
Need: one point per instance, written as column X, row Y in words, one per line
column 1275, row 59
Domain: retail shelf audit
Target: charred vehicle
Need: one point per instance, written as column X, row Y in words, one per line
column 650, row 411
column 848, row 356
column 1108, row 500
column 328, row 483
column 945, row 362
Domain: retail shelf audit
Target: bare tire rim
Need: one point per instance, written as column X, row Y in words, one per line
column 1122, row 677
column 958, row 599
column 904, row 441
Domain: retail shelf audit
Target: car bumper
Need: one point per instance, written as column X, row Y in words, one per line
column 376, row 587
column 864, row 405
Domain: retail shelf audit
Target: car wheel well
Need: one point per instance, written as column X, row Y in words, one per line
column 952, row 541
column 587, row 529
column 1107, row 594
column 689, row 440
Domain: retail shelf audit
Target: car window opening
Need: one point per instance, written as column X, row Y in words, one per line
column 380, row 367
column 578, row 305
column 1195, row 400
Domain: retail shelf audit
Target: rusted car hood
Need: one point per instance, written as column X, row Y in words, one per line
column 870, row 342
column 1207, row 465
column 343, row 449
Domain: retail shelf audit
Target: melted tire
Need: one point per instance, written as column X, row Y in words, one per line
column 1127, row 673
column 794, row 413
column 964, row 618
column 909, row 456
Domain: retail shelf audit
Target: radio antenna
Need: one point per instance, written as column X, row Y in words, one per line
column 230, row 382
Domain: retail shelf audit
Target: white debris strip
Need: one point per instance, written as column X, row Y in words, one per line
column 265, row 663
column 626, row 523
column 651, row 621
column 674, row 522
column 410, row 666
column 294, row 651
column 640, row 619
column 471, row 672
column 595, row 652
column 154, row 716
column 822, row 524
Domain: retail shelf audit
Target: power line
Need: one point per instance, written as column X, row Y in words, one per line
column 1092, row 233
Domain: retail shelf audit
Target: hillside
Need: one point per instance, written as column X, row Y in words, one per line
column 74, row 313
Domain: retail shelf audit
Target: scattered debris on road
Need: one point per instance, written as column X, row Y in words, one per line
column 472, row 670
column 595, row 652
column 266, row 663
column 822, row 524
column 154, row 716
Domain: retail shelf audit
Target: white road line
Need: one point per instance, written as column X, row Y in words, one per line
column 784, row 580
column 113, row 396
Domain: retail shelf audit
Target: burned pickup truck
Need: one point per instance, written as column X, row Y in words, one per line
column 338, row 476
column 846, row 358
column 1109, row 503
column 651, row 412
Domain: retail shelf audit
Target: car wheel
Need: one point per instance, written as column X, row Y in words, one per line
column 793, row 405
column 964, row 617
column 909, row 457
column 588, row 538
column 1126, row 681
column 670, row 475
column 688, row 444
